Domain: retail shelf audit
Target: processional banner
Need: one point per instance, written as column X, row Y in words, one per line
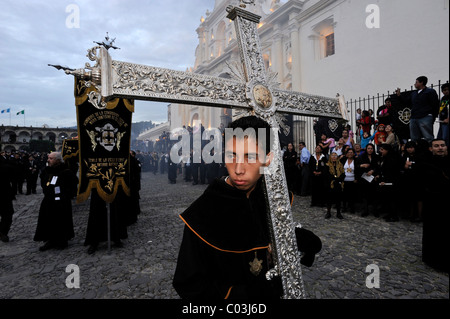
column 401, row 115
column 70, row 152
column 70, row 149
column 104, row 135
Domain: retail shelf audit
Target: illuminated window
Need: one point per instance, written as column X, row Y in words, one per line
column 323, row 38
column 329, row 45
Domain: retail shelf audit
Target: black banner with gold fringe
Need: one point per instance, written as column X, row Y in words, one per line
column 104, row 140
column 70, row 153
column 70, row 149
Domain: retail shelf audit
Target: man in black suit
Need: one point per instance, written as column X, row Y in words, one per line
column 32, row 173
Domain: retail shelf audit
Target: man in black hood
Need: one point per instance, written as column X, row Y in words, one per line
column 226, row 250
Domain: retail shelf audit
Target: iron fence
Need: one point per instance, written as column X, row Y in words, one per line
column 303, row 127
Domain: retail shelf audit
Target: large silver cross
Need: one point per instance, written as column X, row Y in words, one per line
column 253, row 90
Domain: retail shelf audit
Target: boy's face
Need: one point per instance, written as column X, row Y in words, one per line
column 243, row 161
column 446, row 91
column 418, row 85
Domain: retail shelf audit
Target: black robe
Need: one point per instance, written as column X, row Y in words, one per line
column 133, row 205
column 55, row 222
column 436, row 221
column 97, row 227
column 225, row 232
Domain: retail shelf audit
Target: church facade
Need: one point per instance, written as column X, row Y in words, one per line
column 326, row 47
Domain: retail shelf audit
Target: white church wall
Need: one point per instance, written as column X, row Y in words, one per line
column 412, row 40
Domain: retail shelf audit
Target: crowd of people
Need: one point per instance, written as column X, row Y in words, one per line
column 20, row 174
column 59, row 181
column 374, row 171
column 370, row 171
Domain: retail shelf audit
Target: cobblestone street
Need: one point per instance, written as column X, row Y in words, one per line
column 144, row 267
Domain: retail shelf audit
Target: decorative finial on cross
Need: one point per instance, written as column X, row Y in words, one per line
column 108, row 43
column 245, row 2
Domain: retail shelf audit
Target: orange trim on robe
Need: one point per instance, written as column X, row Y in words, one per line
column 228, row 294
column 220, row 249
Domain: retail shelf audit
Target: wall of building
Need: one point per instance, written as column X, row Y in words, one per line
column 412, row 40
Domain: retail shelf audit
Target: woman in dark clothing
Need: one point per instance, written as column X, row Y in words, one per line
column 366, row 170
column 317, row 166
column 350, row 189
column 290, row 166
column 410, row 190
column 388, row 179
column 334, row 181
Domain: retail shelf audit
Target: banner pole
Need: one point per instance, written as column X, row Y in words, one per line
column 108, row 216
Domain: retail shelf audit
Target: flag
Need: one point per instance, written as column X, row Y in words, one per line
column 21, row 112
column 6, row 111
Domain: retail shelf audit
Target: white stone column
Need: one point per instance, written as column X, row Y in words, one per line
column 277, row 56
column 296, row 58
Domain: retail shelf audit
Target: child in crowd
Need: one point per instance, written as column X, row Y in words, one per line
column 358, row 116
column 366, row 122
column 380, row 136
column 327, row 143
column 366, row 139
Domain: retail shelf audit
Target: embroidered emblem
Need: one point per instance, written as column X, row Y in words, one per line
column 107, row 137
column 255, row 266
column 404, row 115
column 332, row 125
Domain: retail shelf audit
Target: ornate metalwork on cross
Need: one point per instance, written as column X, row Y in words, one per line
column 253, row 91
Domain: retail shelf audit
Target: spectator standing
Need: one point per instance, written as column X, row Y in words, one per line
column 317, row 167
column 366, row 170
column 424, row 110
column 366, row 122
column 32, row 174
column 444, row 114
column 350, row 189
column 384, row 112
column 358, row 116
column 304, row 157
column 289, row 161
column 411, row 186
column 387, row 179
column 334, row 182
